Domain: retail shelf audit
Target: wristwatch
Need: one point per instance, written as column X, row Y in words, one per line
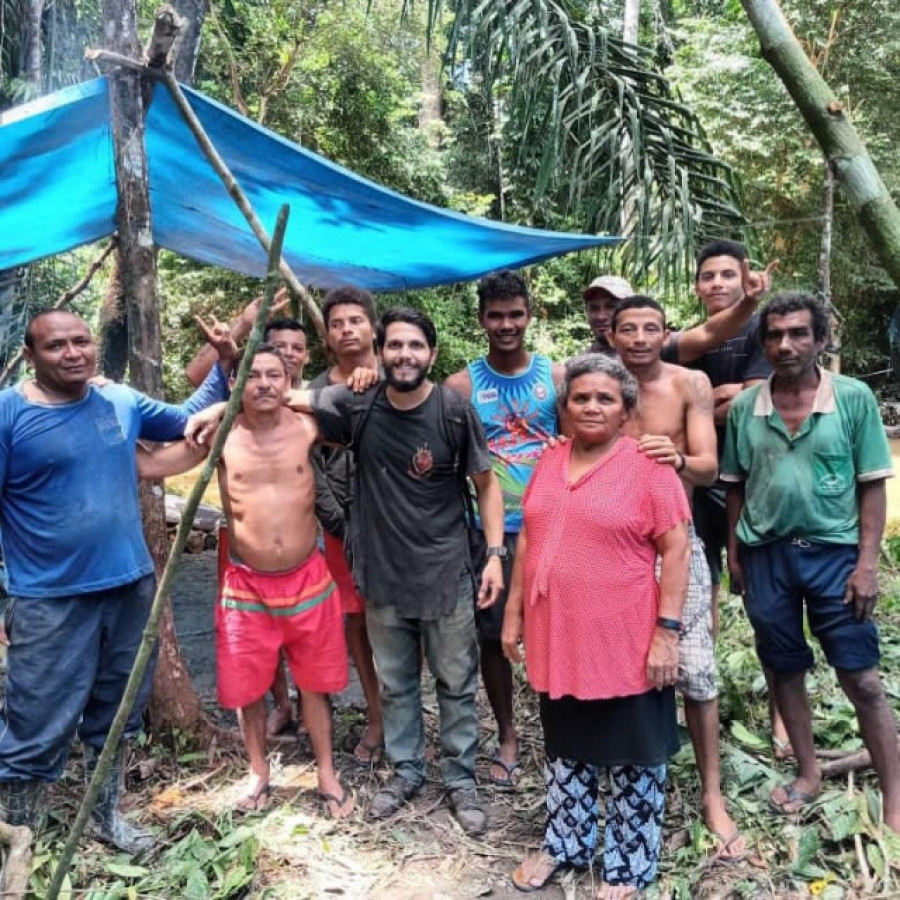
column 500, row 552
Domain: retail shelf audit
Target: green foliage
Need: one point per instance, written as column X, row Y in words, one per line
column 753, row 124
column 589, row 128
column 210, row 860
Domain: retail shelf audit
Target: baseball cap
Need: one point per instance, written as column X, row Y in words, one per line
column 612, row 284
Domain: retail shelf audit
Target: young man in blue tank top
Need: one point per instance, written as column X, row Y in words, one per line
column 513, row 393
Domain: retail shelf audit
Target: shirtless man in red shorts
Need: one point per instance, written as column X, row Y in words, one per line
column 277, row 592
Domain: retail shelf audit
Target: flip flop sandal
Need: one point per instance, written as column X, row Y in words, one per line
column 792, row 795
column 783, row 750
column 255, row 802
column 375, row 751
column 327, row 798
column 724, row 854
column 510, row 781
column 526, row 885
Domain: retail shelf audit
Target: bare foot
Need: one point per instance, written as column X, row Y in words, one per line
column 616, row 891
column 535, row 871
column 257, row 797
column 732, row 844
column 278, row 720
column 336, row 798
column 505, row 764
column 781, row 743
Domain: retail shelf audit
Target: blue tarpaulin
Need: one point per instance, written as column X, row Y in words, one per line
column 58, row 191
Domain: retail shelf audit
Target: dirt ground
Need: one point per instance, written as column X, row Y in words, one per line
column 421, row 852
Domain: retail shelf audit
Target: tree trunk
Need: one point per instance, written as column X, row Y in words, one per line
column 112, row 327
column 833, row 351
column 631, row 21
column 137, row 271
column 839, row 140
column 33, row 53
column 187, row 46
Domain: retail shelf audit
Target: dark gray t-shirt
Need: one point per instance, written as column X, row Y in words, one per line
column 408, row 518
column 737, row 360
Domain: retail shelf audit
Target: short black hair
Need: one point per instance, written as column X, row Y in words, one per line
column 411, row 317
column 349, row 294
column 795, row 301
column 283, row 324
column 502, row 285
column 262, row 348
column 29, row 328
column 638, row 301
column 723, row 247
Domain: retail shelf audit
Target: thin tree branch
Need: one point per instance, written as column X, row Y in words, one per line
column 64, row 299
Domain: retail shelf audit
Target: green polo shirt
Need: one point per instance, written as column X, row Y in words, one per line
column 804, row 485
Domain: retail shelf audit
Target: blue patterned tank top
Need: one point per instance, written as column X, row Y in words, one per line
column 518, row 413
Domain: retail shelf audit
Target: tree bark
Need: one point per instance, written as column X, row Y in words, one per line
column 187, row 45
column 631, row 21
column 839, row 140
column 17, row 865
column 112, row 327
column 137, row 272
column 33, row 46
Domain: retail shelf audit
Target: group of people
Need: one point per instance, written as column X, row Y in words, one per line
column 579, row 512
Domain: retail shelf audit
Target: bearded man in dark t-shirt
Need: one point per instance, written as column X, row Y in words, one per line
column 415, row 444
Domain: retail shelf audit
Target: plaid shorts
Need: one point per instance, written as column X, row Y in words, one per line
column 696, row 650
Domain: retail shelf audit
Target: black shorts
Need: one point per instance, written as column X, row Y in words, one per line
column 711, row 524
column 489, row 622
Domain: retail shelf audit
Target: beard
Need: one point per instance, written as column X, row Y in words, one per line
column 404, row 385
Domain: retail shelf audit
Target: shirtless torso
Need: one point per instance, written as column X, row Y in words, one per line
column 268, row 491
column 673, row 421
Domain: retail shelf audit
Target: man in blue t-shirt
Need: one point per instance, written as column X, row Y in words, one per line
column 513, row 393
column 81, row 579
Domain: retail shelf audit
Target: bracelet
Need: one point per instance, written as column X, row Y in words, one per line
column 668, row 624
column 682, row 462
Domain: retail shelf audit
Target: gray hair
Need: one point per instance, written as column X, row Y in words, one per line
column 591, row 363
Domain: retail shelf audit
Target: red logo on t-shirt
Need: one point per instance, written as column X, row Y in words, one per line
column 421, row 463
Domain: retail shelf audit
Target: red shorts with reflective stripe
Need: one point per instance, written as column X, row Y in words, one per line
column 259, row 614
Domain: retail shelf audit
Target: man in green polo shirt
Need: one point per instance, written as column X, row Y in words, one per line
column 806, row 460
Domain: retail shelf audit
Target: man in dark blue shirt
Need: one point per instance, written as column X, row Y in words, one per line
column 81, row 579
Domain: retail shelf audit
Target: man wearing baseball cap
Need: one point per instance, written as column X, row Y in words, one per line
column 603, row 293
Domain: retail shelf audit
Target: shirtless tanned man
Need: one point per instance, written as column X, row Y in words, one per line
column 277, row 592
column 289, row 338
column 349, row 315
column 513, row 393
column 673, row 423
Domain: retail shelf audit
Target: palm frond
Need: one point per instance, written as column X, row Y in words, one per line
column 598, row 131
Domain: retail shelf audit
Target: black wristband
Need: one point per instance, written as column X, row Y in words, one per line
column 682, row 462
column 668, row 624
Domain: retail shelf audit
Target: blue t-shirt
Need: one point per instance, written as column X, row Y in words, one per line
column 518, row 413
column 69, row 514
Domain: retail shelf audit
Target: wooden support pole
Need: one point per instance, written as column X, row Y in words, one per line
column 151, row 630
column 17, row 865
column 61, row 301
column 231, row 185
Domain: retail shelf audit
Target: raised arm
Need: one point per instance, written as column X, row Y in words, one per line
column 724, row 325
column 235, row 331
